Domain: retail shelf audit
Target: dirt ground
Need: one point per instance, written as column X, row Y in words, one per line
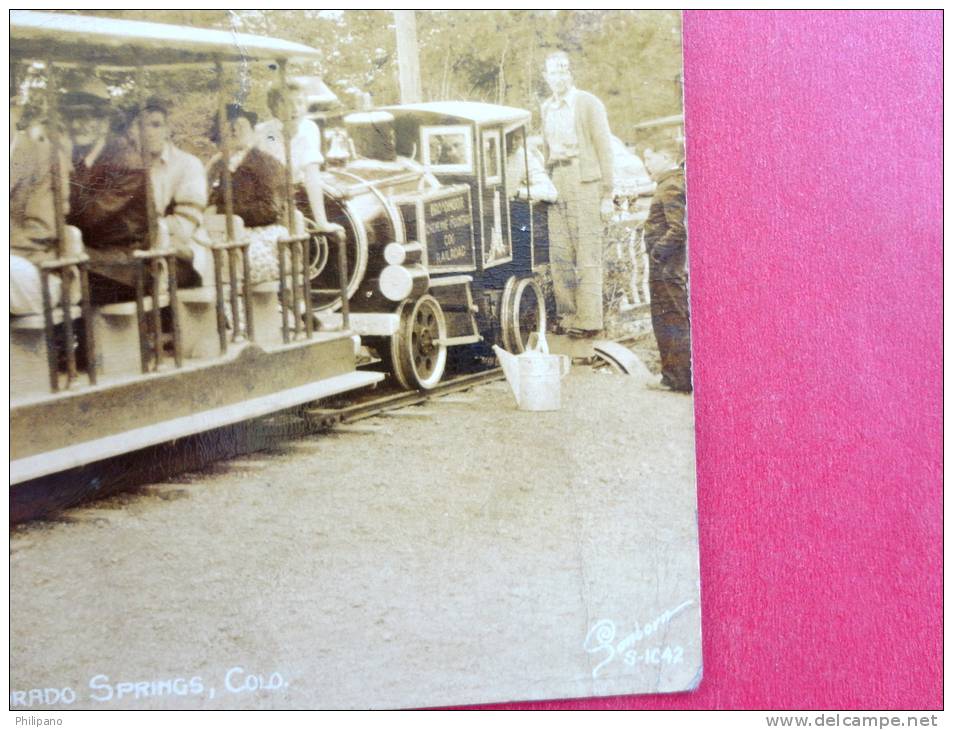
column 462, row 552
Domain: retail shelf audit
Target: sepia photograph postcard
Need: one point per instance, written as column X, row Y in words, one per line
column 350, row 359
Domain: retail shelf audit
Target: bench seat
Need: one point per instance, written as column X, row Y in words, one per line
column 29, row 322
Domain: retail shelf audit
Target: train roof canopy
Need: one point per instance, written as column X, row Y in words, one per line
column 470, row 111
column 62, row 38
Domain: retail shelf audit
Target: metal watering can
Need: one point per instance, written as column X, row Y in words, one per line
column 534, row 375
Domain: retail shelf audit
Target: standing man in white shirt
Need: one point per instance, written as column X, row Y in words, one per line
column 579, row 160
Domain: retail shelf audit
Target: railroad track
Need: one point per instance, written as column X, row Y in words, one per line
column 171, row 463
column 322, row 418
column 358, row 406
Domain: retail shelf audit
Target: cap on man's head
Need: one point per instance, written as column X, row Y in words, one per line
column 90, row 93
column 156, row 104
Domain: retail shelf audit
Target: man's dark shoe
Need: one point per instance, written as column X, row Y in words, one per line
column 667, row 384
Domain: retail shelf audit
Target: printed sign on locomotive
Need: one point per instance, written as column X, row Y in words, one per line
column 442, row 222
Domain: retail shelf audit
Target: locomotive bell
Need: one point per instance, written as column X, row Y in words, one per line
column 373, row 134
column 339, row 149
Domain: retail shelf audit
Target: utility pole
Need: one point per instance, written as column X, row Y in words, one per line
column 408, row 61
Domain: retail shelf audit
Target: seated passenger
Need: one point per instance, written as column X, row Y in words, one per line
column 106, row 192
column 289, row 103
column 110, row 206
column 257, row 198
column 32, row 219
column 86, row 110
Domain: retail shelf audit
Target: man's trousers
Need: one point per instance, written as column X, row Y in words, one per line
column 576, row 248
column 668, row 286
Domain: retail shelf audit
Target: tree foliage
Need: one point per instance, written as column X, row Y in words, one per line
column 631, row 60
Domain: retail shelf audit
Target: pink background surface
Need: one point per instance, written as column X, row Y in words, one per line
column 815, row 237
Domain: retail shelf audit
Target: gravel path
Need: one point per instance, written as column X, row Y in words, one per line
column 471, row 555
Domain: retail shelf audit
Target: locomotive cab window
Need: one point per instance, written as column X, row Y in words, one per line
column 491, row 158
column 517, row 160
column 448, row 149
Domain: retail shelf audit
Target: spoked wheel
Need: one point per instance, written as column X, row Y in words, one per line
column 318, row 250
column 323, row 260
column 417, row 355
column 523, row 314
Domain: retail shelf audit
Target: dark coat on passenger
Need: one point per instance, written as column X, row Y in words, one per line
column 108, row 201
column 257, row 185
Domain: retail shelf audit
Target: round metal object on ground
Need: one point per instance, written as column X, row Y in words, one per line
column 621, row 359
column 416, row 358
column 526, row 314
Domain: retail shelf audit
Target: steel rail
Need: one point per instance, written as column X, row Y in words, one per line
column 323, row 419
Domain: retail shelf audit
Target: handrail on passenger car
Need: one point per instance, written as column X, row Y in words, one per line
column 58, row 40
column 161, row 265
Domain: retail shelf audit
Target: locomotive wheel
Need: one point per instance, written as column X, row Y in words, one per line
column 506, row 314
column 323, row 258
column 318, row 250
column 418, row 361
column 525, row 315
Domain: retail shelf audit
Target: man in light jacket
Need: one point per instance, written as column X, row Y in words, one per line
column 579, row 160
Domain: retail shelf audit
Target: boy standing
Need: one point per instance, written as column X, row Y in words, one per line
column 665, row 243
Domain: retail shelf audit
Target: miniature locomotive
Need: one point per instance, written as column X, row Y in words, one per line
column 441, row 252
